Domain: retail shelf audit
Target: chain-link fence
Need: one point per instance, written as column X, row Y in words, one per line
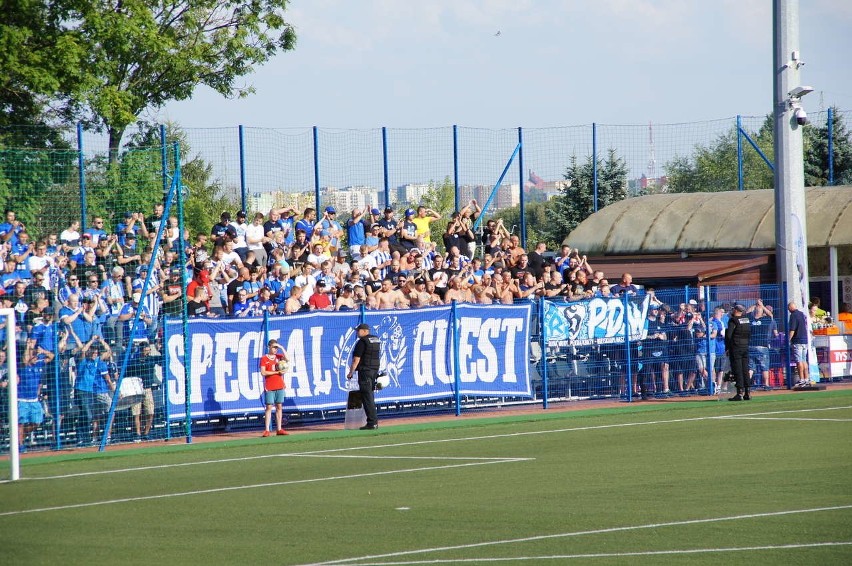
column 91, row 291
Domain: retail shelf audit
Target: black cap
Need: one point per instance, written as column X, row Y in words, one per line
column 363, row 326
column 388, row 209
column 738, row 307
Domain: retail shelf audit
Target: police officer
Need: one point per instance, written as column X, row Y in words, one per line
column 365, row 360
column 736, row 343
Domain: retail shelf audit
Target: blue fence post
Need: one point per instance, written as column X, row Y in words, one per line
column 316, row 170
column 167, row 406
column 187, row 358
column 595, row 166
column 242, row 168
column 385, row 164
column 122, row 373
column 456, row 166
column 521, row 185
column 456, row 361
column 81, row 165
column 711, row 371
column 830, row 126
column 57, row 429
column 265, row 328
column 543, row 361
column 628, row 361
column 164, row 161
column 740, row 182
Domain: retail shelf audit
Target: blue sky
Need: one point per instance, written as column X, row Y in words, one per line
column 428, row 63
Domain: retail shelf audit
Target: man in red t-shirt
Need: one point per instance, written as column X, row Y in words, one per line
column 320, row 300
column 273, row 385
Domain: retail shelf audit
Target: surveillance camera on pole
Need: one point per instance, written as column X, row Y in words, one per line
column 794, row 99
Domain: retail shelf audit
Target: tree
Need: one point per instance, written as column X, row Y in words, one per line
column 575, row 202
column 138, row 55
column 714, row 168
column 816, row 153
column 205, row 198
column 539, row 218
column 39, row 58
column 441, row 196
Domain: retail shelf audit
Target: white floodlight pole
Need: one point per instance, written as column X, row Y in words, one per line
column 791, row 233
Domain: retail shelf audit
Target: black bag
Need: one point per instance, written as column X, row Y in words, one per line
column 729, row 377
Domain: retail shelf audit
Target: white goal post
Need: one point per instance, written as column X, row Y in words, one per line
column 12, row 374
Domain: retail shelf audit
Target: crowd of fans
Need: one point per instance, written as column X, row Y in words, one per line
column 91, row 280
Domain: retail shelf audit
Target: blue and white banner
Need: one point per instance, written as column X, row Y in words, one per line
column 417, row 353
column 595, row 321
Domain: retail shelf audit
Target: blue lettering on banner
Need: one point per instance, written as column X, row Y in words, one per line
column 416, row 352
column 595, row 321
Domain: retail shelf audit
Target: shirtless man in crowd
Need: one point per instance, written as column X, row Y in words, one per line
column 389, row 298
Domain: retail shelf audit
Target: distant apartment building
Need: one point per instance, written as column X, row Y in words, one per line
column 507, row 195
column 264, row 202
column 411, row 193
column 349, row 198
column 645, row 185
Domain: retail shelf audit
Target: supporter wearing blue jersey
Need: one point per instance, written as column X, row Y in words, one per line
column 763, row 330
column 30, row 379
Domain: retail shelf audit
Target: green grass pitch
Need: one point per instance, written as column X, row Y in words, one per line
column 705, row 482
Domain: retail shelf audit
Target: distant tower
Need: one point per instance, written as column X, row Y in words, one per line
column 652, row 158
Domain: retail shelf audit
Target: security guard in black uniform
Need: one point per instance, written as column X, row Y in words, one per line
column 365, row 360
column 736, row 343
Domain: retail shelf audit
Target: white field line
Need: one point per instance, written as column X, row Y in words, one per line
column 423, row 442
column 359, row 560
column 791, row 419
column 253, row 486
column 613, row 554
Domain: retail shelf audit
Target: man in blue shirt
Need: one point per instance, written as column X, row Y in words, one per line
column 139, row 333
column 308, row 222
column 330, row 225
column 763, row 330
column 96, row 230
column 718, row 361
column 355, row 233
column 280, row 286
column 92, row 377
column 30, row 378
column 10, row 229
column 798, row 338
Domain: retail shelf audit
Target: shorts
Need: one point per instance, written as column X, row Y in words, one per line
column 30, row 412
column 722, row 364
column 682, row 363
column 758, row 359
column 800, row 353
column 273, row 397
column 701, row 362
column 101, row 405
column 146, row 405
